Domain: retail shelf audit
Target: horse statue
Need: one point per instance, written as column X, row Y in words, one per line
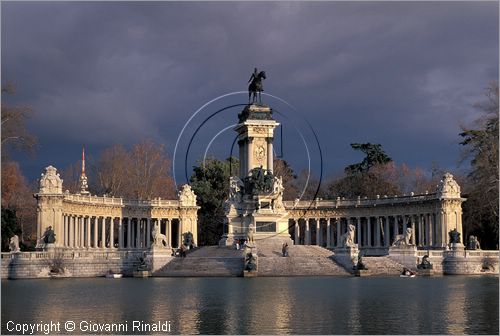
column 255, row 86
column 159, row 239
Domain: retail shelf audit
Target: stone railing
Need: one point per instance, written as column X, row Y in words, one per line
column 464, row 253
column 104, row 200
column 359, row 202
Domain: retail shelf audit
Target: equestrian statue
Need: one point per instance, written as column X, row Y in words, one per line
column 255, row 88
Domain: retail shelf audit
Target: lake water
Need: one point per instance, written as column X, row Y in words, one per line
column 323, row 305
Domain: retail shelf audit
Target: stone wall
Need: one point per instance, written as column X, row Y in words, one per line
column 28, row 265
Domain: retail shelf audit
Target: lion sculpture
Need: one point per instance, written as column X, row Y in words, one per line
column 347, row 239
column 159, row 239
column 404, row 239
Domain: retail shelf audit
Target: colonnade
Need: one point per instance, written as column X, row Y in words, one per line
column 372, row 231
column 116, row 232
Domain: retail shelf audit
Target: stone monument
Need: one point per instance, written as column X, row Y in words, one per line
column 255, row 201
column 402, row 250
column 347, row 253
column 14, row 244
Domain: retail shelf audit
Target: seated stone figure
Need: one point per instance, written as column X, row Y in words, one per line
column 347, row 239
column 473, row 243
column 250, row 262
column 404, row 239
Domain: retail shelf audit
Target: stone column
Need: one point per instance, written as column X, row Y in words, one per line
column 387, row 233
column 396, row 226
column 270, row 154
column 297, row 233
column 64, row 231
column 138, row 233
column 82, row 232
column 430, row 230
column 96, row 231
column 368, row 232
column 169, row 232
column 405, row 223
column 77, row 232
column 412, row 219
column 103, row 233
column 72, row 231
column 129, row 232
column 378, row 232
column 112, row 233
column 179, row 233
column 241, row 157
column 89, row 241
column 120, row 233
column 328, row 232
column 148, row 232
column 337, row 220
column 420, row 230
column 318, row 235
column 249, row 155
column 358, row 228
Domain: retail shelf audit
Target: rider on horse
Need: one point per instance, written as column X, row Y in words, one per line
column 255, row 86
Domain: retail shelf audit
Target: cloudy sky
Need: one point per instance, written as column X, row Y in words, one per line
column 401, row 74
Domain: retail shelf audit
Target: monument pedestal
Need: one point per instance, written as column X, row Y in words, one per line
column 347, row 256
column 362, row 273
column 406, row 255
column 159, row 257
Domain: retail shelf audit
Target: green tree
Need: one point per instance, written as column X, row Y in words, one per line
column 481, row 147
column 210, row 182
column 10, row 227
column 367, row 178
column 375, row 155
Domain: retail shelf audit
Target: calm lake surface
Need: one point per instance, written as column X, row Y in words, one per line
column 323, row 305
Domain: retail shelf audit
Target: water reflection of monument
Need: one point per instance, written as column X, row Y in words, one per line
column 256, row 196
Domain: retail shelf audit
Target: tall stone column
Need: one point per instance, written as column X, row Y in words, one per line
column 368, row 232
column 72, row 231
column 387, row 232
column 103, row 233
column 96, row 231
column 297, row 236
column 396, row 226
column 112, row 233
column 328, row 232
column 430, row 230
column 412, row 219
column 179, row 233
column 129, row 232
column 148, row 232
column 64, row 231
column 82, row 231
column 120, row 233
column 377, row 232
column 77, row 232
column 169, row 232
column 138, row 233
column 420, row 230
column 89, row 241
column 241, row 157
column 358, row 228
column 270, row 154
column 249, row 155
column 405, row 223
column 337, row 220
column 318, row 233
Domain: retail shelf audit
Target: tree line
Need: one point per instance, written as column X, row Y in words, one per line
column 142, row 171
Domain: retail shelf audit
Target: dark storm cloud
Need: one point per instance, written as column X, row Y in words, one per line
column 402, row 74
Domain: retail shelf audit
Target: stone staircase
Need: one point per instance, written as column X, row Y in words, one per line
column 379, row 266
column 302, row 261
column 205, row 261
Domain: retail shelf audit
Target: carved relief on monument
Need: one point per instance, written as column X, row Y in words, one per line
column 186, row 196
column 50, row 182
column 448, row 187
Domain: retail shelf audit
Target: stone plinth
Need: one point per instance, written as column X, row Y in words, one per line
column 406, row 255
column 347, row 256
column 457, row 247
column 160, row 257
column 425, row 272
column 362, row 273
column 142, row 274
